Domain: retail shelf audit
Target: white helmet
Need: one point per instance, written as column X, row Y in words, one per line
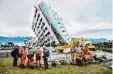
column 38, row 47
column 44, row 46
column 22, row 44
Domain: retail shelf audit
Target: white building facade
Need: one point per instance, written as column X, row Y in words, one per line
column 47, row 26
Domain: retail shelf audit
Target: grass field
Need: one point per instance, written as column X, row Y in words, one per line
column 6, row 68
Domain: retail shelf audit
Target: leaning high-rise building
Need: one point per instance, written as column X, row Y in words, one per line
column 48, row 26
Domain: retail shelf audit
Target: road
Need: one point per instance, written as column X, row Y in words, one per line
column 4, row 51
column 56, row 56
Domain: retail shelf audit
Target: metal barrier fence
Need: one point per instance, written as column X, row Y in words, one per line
column 5, row 53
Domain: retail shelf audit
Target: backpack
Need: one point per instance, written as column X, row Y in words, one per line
column 12, row 53
column 63, row 62
column 15, row 52
column 53, row 63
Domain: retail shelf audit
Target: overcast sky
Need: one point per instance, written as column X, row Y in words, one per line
column 82, row 18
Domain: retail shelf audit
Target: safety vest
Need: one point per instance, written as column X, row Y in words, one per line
column 66, row 46
column 22, row 51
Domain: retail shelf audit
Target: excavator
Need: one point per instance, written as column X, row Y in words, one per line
column 90, row 46
column 70, row 43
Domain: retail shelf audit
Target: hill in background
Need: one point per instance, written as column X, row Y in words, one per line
column 11, row 39
column 21, row 39
column 95, row 39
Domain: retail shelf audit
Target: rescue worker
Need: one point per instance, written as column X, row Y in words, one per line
column 79, row 54
column 86, row 55
column 22, row 53
column 30, row 59
column 79, row 58
column 15, row 55
column 66, row 46
column 85, row 50
column 73, row 54
column 38, row 53
column 66, row 49
column 46, row 54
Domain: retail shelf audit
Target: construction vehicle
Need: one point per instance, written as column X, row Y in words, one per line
column 70, row 43
column 76, row 55
column 91, row 47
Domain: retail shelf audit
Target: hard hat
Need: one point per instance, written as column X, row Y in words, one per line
column 38, row 47
column 44, row 46
column 22, row 44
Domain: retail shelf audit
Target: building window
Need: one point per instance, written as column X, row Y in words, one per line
column 35, row 15
column 38, row 17
column 63, row 31
column 48, row 33
column 61, row 27
column 40, row 21
column 37, row 27
column 46, row 28
column 39, row 38
column 42, row 39
column 35, row 10
column 45, row 41
column 41, row 35
column 44, row 31
column 39, row 32
column 58, row 22
column 35, row 24
column 42, row 25
column 48, row 40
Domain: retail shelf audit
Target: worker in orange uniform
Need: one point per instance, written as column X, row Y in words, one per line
column 73, row 54
column 38, row 53
column 87, row 56
column 31, row 60
column 22, row 56
column 66, row 46
column 79, row 54
column 66, row 49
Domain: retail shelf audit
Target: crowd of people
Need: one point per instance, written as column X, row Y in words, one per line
column 31, row 57
column 79, row 55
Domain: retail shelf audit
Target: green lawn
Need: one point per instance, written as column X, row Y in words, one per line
column 6, row 68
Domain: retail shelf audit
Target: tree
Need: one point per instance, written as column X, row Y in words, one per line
column 10, row 44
